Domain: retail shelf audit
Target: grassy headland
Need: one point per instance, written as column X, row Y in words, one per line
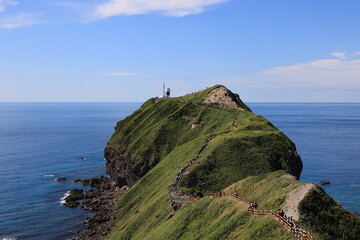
column 245, row 153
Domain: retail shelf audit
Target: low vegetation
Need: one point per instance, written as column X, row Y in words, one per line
column 321, row 214
column 244, row 154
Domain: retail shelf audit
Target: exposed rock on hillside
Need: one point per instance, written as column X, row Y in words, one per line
column 294, row 197
column 123, row 169
column 223, row 98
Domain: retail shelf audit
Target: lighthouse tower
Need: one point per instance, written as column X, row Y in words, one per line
column 166, row 93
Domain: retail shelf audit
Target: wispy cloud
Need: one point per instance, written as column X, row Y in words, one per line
column 124, row 74
column 327, row 72
column 5, row 3
column 339, row 54
column 18, row 20
column 175, row 8
column 330, row 79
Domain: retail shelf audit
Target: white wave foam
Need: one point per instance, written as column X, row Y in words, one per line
column 48, row 175
column 62, row 199
column 8, row 238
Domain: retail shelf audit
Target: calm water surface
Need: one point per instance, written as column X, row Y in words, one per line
column 327, row 137
column 43, row 141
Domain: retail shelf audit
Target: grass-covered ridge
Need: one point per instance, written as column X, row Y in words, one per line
column 143, row 212
column 164, row 135
column 243, row 143
column 244, row 152
column 321, row 214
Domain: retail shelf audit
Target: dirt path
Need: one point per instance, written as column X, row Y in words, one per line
column 293, row 199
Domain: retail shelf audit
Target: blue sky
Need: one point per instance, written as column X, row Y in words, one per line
column 123, row 50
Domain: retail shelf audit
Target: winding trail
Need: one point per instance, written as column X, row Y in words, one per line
column 290, row 225
column 177, row 197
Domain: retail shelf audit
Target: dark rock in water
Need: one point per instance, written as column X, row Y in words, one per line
column 325, row 182
column 60, row 179
column 100, row 200
column 72, row 204
column 74, row 197
column 85, row 182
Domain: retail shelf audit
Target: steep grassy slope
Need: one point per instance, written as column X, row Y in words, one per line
column 242, row 143
column 234, row 149
column 269, row 190
column 143, row 212
column 321, row 214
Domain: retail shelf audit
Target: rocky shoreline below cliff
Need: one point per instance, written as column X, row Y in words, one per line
column 100, row 201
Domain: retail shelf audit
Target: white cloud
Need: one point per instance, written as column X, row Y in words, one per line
column 123, row 74
column 339, row 55
column 323, row 72
column 17, row 21
column 175, row 8
column 322, row 80
column 5, row 3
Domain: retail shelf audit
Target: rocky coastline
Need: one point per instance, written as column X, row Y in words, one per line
column 100, row 201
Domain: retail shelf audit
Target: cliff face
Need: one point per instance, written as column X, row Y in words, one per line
column 170, row 149
column 241, row 143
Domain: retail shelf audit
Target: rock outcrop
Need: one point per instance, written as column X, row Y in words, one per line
column 324, row 182
column 60, row 179
column 123, row 169
column 293, row 199
column 100, row 201
column 224, row 98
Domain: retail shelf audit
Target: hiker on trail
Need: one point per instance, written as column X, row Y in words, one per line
column 255, row 206
column 279, row 213
column 236, row 194
column 282, row 213
column 252, row 205
column 292, row 224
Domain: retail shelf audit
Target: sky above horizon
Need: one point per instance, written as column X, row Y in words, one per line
column 123, row 50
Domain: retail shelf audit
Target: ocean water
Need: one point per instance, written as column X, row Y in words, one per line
column 327, row 137
column 38, row 139
column 43, row 141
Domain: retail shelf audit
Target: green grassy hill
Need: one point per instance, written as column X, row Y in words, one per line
column 243, row 143
column 230, row 148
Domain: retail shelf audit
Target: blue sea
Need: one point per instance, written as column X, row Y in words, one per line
column 43, row 141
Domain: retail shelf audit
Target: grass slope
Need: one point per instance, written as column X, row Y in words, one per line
column 321, row 214
column 243, row 155
column 243, row 143
column 268, row 190
column 142, row 213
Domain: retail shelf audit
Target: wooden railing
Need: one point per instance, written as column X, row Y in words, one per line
column 290, row 225
column 194, row 199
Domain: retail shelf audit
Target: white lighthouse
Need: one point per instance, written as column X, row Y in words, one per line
column 166, row 93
